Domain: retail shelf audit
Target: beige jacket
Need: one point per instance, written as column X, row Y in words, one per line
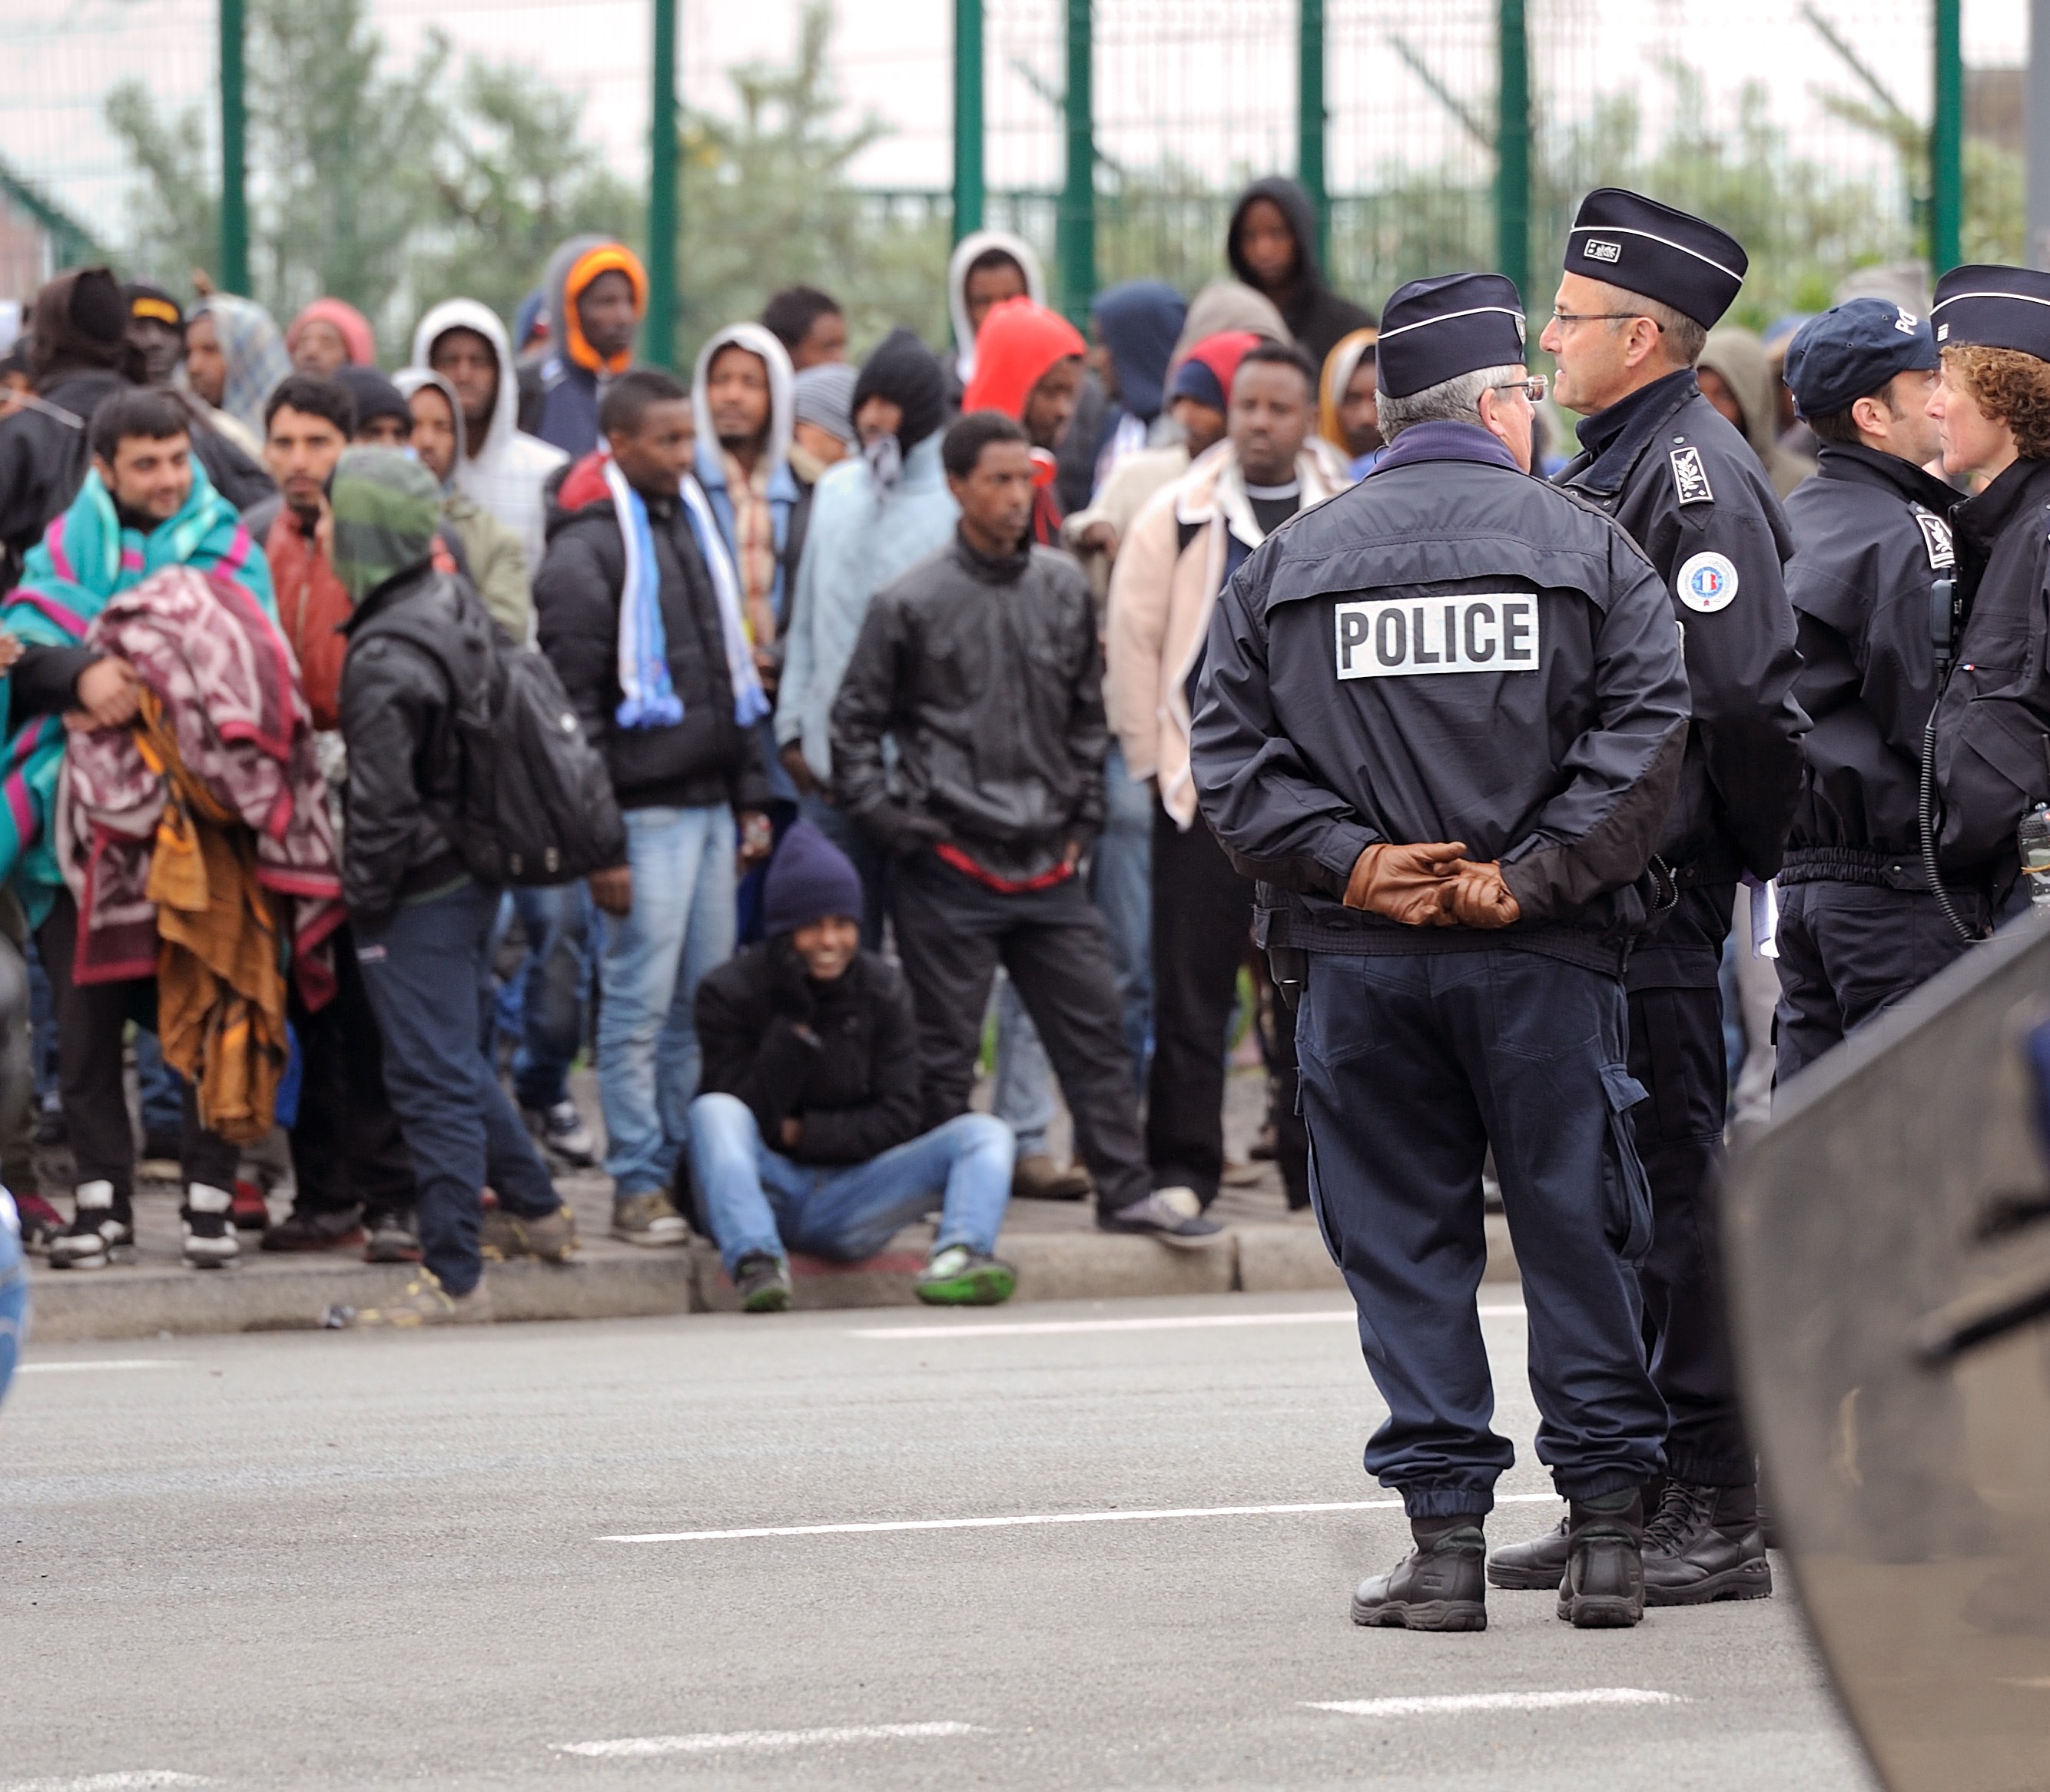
column 1161, row 597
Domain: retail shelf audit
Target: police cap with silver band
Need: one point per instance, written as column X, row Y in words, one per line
column 1434, row 330
column 1636, row 243
column 1852, row 352
column 1993, row 308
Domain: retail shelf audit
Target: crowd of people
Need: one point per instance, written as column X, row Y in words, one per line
column 886, row 664
column 782, row 736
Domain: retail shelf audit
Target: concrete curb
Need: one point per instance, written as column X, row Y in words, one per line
column 74, row 1308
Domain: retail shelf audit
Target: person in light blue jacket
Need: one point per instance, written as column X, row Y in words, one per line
column 872, row 518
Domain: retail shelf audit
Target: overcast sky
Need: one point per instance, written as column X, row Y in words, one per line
column 1210, row 80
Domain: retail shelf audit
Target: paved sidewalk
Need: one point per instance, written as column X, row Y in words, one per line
column 1058, row 1251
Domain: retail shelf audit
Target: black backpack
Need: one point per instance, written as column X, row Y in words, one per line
column 536, row 805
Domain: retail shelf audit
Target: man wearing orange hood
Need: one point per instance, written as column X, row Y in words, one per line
column 1028, row 364
column 596, row 295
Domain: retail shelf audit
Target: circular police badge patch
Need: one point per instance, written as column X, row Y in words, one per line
column 1708, row 583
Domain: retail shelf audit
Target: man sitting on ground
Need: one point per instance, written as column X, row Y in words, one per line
column 807, row 1136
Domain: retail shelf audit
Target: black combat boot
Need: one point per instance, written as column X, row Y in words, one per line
column 1537, row 1566
column 1438, row 1586
column 1604, row 1587
column 1705, row 1544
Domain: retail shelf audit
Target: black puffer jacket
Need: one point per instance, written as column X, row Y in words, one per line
column 1316, row 317
column 841, row 1057
column 986, row 673
column 707, row 757
column 43, row 457
column 398, row 723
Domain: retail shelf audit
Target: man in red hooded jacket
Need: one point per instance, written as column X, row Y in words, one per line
column 1028, row 364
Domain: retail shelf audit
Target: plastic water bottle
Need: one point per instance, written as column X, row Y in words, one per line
column 2032, row 837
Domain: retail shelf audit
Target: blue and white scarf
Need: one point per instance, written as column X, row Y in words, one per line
column 648, row 698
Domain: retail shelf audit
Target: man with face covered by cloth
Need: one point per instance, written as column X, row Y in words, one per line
column 1441, row 717
column 1642, row 284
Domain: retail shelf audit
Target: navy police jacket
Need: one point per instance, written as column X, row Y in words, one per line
column 1869, row 543
column 1450, row 650
column 1993, row 727
column 1669, row 467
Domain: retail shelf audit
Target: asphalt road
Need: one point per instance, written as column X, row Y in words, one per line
column 308, row 1561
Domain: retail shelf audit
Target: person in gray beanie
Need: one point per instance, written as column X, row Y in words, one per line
column 822, row 418
column 805, row 1135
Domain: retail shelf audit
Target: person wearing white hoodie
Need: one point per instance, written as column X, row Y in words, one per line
column 741, row 397
column 498, row 464
column 987, row 267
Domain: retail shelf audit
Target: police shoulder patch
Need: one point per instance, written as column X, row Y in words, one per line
column 1707, row 583
column 1936, row 539
column 1690, row 478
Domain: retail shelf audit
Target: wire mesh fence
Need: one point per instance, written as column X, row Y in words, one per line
column 1801, row 125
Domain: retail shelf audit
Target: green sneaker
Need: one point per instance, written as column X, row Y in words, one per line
column 960, row 1275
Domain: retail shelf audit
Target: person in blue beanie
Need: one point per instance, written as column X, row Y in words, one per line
column 805, row 1137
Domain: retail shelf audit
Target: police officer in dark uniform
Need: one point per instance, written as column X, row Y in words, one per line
column 1442, row 718
column 1642, row 284
column 1860, row 926
column 1992, row 726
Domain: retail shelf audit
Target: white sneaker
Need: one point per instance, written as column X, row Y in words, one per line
column 210, row 1227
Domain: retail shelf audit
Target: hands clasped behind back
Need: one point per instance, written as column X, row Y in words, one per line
column 1430, row 884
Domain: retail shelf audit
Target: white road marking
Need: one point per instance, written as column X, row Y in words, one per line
column 1452, row 1703
column 95, row 1362
column 1042, row 1518
column 712, row 1742
column 137, row 1780
column 1192, row 1323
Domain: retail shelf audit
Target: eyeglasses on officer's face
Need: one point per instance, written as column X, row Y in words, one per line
column 1565, row 320
column 1533, row 388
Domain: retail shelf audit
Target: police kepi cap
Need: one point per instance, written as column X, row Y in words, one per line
column 1644, row 247
column 1434, row 330
column 1852, row 352
column 1994, row 307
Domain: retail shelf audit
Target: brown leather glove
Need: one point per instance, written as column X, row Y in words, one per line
column 1479, row 897
column 1407, row 883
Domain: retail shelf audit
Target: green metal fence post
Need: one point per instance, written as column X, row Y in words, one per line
column 658, row 338
column 967, row 117
column 1946, row 145
column 1310, row 120
column 234, row 272
column 1512, row 148
column 1076, row 244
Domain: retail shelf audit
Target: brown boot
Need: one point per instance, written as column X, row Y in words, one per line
column 1038, row 1178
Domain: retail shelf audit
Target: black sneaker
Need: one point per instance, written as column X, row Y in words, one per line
column 208, row 1215
column 1705, row 1544
column 1438, row 1586
column 392, row 1238
column 1536, row 1566
column 102, row 1230
column 1604, row 1586
column 764, row 1282
column 315, row 1229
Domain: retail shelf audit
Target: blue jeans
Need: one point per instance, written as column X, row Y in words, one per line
column 158, row 1088
column 552, row 984
column 1024, row 1098
column 758, row 1200
column 422, row 968
column 681, row 927
column 1122, row 882
column 13, row 1294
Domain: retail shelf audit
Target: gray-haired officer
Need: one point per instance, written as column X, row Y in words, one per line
column 1860, row 926
column 1642, row 284
column 1442, row 718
